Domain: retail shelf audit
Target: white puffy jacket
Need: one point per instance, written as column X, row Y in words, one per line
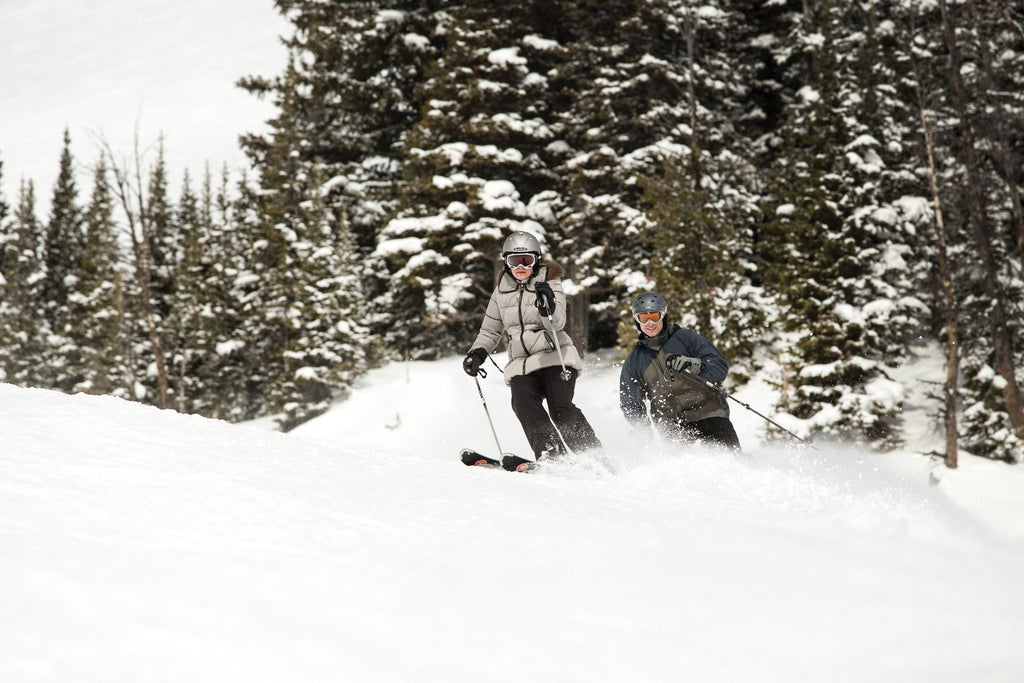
column 512, row 315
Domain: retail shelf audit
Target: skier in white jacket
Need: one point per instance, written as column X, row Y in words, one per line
column 525, row 290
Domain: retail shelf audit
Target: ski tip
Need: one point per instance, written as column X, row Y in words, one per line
column 513, row 463
column 473, row 459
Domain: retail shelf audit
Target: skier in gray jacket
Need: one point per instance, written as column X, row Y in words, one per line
column 526, row 289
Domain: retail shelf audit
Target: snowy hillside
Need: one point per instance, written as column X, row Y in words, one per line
column 146, row 545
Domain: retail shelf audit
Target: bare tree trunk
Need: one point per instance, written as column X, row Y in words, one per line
column 577, row 321
column 128, row 347
column 690, row 22
column 1002, row 345
column 696, row 164
column 128, row 189
column 949, row 304
column 180, row 393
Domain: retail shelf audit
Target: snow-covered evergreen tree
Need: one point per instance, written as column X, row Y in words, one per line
column 346, row 101
column 62, row 251
column 332, row 345
column 477, row 169
column 628, row 113
column 24, row 326
column 98, row 357
column 703, row 203
column 164, row 247
column 976, row 49
column 303, row 306
column 189, row 299
column 215, row 256
column 833, row 247
column 5, row 208
column 300, row 330
column 63, row 234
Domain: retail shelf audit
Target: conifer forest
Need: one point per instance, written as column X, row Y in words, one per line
column 822, row 186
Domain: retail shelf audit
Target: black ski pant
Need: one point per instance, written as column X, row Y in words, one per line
column 715, row 430
column 528, row 394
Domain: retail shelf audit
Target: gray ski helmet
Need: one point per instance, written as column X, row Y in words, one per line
column 520, row 242
column 647, row 302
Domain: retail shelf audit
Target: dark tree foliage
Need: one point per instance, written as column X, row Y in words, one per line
column 97, row 357
column 62, row 249
column 778, row 170
column 24, row 327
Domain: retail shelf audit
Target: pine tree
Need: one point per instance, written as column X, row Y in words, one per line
column 63, row 234
column 24, row 328
column 993, row 304
column 61, row 252
column 163, row 249
column 98, row 355
column 208, row 370
column 921, row 86
column 346, row 100
column 188, row 300
column 703, row 203
column 304, row 303
column 328, row 349
column 143, row 307
column 477, row 169
column 5, row 208
column 625, row 67
column 832, row 246
column 242, row 364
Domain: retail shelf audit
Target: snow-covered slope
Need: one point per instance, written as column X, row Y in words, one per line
column 144, row 545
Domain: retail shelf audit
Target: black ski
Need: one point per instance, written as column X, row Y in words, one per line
column 472, row 458
column 512, row 463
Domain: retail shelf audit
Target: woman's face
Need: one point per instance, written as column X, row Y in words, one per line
column 521, row 265
column 522, row 273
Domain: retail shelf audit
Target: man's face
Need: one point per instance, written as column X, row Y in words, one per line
column 651, row 322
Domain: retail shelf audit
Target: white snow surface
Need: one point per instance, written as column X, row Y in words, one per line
column 144, row 545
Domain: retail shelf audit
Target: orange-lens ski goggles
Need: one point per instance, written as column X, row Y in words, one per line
column 652, row 316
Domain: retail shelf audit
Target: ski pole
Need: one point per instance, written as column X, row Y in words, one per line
column 488, row 412
column 565, row 374
column 719, row 389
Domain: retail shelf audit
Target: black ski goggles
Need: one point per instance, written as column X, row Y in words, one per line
column 520, row 260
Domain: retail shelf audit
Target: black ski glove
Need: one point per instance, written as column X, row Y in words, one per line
column 473, row 360
column 545, row 298
column 683, row 363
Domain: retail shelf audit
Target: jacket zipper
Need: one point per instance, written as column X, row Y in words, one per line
column 522, row 326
